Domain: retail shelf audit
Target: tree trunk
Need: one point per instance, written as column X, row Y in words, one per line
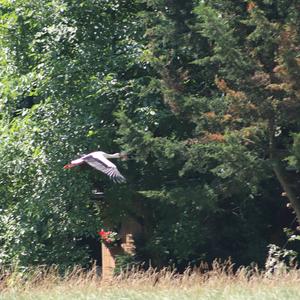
column 280, row 171
column 285, row 183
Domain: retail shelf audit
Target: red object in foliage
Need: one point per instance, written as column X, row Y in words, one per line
column 102, row 233
column 108, row 237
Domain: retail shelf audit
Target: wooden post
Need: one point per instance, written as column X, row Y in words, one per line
column 108, row 261
column 129, row 229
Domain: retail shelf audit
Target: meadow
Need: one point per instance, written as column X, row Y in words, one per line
column 216, row 283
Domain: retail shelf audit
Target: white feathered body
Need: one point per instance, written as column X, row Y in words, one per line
column 99, row 161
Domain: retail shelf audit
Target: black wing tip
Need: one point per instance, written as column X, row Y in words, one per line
column 118, row 179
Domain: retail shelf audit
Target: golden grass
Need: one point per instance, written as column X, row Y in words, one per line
column 216, row 283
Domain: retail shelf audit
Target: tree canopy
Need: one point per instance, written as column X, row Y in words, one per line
column 203, row 95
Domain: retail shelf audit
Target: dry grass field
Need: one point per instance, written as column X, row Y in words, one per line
column 218, row 283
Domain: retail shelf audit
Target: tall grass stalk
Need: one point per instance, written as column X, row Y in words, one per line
column 218, row 281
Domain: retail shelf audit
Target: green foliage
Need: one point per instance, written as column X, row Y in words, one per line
column 58, row 99
column 204, row 97
column 124, row 263
column 42, row 207
column 213, row 116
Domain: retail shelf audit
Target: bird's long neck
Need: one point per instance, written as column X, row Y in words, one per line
column 115, row 155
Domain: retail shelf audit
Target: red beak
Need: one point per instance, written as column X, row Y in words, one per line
column 68, row 166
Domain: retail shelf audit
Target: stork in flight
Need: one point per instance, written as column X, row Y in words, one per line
column 99, row 160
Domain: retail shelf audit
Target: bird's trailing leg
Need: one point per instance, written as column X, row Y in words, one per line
column 124, row 156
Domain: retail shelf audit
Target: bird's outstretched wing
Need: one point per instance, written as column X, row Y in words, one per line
column 108, row 169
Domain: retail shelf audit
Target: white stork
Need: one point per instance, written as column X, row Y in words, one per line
column 99, row 160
